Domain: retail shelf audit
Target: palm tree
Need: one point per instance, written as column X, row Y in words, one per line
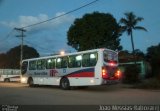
column 130, row 24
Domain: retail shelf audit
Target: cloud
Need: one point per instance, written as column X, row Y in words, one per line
column 44, row 37
column 24, row 21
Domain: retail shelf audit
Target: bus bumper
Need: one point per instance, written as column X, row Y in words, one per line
column 110, row 82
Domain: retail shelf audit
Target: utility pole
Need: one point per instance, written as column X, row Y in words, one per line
column 21, row 35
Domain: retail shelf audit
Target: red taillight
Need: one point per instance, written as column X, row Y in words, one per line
column 104, row 73
column 118, row 74
column 112, row 63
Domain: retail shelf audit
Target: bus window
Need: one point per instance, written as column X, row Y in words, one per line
column 8, row 72
column 58, row 62
column 41, row 64
column 75, row 61
column 93, row 59
column 24, row 67
column 62, row 62
column 89, row 59
column 50, row 63
column 110, row 56
column 32, row 65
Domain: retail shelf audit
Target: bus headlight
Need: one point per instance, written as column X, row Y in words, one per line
column 23, row 80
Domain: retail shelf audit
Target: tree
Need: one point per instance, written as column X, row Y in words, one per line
column 95, row 30
column 139, row 54
column 125, row 56
column 153, row 56
column 130, row 23
column 3, row 61
column 13, row 55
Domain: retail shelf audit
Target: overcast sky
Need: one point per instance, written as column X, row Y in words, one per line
column 51, row 37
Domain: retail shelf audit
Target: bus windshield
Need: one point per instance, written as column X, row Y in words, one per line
column 110, row 56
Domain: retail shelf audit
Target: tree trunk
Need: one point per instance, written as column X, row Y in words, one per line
column 133, row 47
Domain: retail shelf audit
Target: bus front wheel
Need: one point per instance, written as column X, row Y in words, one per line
column 7, row 80
column 30, row 82
column 64, row 84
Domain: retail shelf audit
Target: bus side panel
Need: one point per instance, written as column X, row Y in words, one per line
column 82, row 81
column 46, row 80
column 86, row 76
column 89, row 81
column 14, row 78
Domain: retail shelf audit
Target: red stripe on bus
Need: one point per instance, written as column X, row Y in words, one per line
column 82, row 74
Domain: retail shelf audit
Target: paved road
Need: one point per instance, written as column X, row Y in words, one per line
column 20, row 94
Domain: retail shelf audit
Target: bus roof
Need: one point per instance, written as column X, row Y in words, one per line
column 68, row 54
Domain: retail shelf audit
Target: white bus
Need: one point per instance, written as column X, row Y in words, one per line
column 86, row 68
column 10, row 75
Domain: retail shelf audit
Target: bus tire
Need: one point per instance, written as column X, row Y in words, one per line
column 30, row 82
column 64, row 83
column 7, row 80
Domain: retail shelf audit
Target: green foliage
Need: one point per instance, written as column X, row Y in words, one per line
column 95, row 30
column 125, row 56
column 139, row 53
column 131, row 74
column 12, row 58
column 129, row 24
column 153, row 56
column 152, row 83
column 3, row 61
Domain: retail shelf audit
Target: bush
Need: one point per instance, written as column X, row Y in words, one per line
column 152, row 83
column 131, row 74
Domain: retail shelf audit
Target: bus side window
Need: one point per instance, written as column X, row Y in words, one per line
column 38, row 64
column 93, row 59
column 32, row 65
column 62, row 62
column 85, row 60
column 75, row 61
column 71, row 62
column 41, row 64
column 50, row 63
column 78, row 60
column 58, row 62
column 89, row 59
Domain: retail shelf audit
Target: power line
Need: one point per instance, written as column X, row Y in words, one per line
column 61, row 14
column 7, row 36
column 22, row 28
column 5, row 39
column 45, row 49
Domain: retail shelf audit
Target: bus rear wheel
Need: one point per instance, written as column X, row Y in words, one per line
column 30, row 82
column 64, row 84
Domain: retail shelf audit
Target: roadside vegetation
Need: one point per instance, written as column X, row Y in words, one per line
column 151, row 79
column 151, row 83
